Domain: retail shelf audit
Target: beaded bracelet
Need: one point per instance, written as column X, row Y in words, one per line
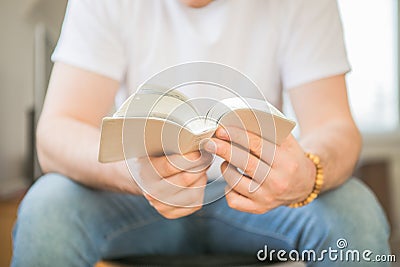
column 319, row 181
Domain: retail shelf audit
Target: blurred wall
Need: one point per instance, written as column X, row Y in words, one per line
column 17, row 25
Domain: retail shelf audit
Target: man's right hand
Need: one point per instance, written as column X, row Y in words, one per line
column 174, row 185
column 68, row 137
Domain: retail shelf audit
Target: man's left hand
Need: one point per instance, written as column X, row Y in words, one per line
column 274, row 175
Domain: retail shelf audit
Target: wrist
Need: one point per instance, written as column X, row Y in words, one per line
column 317, row 173
column 126, row 183
column 312, row 174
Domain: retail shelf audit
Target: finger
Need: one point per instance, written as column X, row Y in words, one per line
column 164, row 188
column 171, row 212
column 238, row 182
column 258, row 146
column 187, row 197
column 250, row 164
column 192, row 196
column 239, row 202
column 179, row 212
column 166, row 166
column 191, row 163
column 184, row 179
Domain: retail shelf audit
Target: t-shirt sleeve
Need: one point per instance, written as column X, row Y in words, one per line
column 91, row 38
column 313, row 43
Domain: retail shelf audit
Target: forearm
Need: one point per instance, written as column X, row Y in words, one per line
column 338, row 144
column 70, row 147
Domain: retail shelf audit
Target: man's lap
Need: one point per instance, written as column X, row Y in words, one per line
column 63, row 218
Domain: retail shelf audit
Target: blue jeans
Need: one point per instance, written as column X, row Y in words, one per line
column 62, row 223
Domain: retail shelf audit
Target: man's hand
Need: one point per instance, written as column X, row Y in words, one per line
column 174, row 185
column 274, row 175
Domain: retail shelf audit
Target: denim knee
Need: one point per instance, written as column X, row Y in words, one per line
column 350, row 213
column 49, row 225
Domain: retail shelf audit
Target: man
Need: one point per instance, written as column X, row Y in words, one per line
column 83, row 211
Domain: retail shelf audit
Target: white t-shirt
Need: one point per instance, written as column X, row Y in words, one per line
column 279, row 44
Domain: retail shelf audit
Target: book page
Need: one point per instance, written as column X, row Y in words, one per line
column 153, row 124
column 123, row 138
column 173, row 126
column 254, row 115
column 172, row 106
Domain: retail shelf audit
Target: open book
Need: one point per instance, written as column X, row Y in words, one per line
column 154, row 123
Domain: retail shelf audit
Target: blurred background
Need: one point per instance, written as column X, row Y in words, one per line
column 29, row 31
